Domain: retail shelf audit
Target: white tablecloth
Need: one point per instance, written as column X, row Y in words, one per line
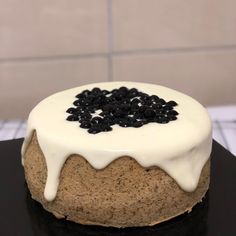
column 224, row 127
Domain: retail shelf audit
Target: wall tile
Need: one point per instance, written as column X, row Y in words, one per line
column 50, row 28
column 172, row 24
column 209, row 77
column 23, row 85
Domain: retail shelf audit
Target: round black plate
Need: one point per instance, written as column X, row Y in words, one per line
column 20, row 215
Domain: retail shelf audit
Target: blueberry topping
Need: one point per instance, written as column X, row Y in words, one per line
column 97, row 110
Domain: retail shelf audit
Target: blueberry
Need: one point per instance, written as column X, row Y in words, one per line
column 156, row 106
column 105, row 92
column 132, row 93
column 96, row 90
column 77, row 102
column 85, row 125
column 119, row 96
column 106, row 128
column 167, row 107
column 108, row 107
column 143, row 95
column 172, row 103
column 135, row 101
column 96, row 120
column 173, row 113
column 71, row 110
column 119, row 113
column 147, row 102
column 79, row 112
column 125, row 107
column 72, row 118
column 123, row 124
column 86, row 116
column 86, row 92
column 123, row 90
column 114, row 91
column 161, row 101
column 172, row 117
column 80, row 95
column 161, row 111
column 144, row 121
column 93, row 130
column 108, row 120
column 104, row 113
column 91, row 109
column 138, row 116
column 138, row 124
column 125, row 101
column 154, row 98
column 162, row 120
column 149, row 113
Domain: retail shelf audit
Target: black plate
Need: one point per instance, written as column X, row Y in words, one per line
column 20, row 215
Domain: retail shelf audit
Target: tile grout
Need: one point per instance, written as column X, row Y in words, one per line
column 53, row 58
column 175, row 50
column 114, row 53
column 110, row 40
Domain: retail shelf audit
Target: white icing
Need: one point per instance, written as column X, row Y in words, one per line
column 181, row 147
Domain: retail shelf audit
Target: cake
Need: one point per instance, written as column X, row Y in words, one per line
column 119, row 154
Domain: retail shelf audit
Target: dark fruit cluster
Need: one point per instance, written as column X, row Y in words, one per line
column 97, row 110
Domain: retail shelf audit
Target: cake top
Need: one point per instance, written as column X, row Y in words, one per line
column 180, row 146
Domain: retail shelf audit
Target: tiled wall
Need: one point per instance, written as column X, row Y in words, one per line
column 47, row 46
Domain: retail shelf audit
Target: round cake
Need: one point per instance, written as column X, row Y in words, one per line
column 118, row 154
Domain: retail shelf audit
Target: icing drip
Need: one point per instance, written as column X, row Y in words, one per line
column 180, row 148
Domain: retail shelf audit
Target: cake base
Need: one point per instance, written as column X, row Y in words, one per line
column 124, row 194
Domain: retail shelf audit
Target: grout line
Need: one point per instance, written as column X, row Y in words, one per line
column 110, row 68
column 175, row 50
column 112, row 53
column 51, row 58
column 222, row 134
column 110, row 40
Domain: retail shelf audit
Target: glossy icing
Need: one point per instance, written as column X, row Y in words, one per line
column 181, row 148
